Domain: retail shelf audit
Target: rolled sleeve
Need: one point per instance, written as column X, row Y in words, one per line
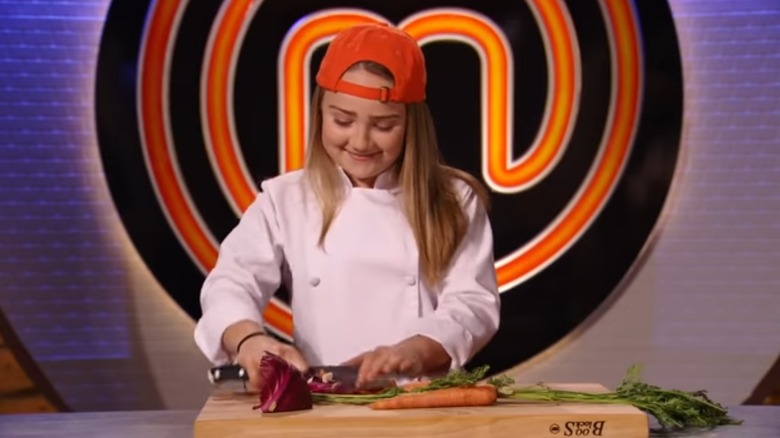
column 209, row 329
column 245, row 277
column 468, row 310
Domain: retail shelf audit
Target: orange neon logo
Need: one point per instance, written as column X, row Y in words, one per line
column 502, row 172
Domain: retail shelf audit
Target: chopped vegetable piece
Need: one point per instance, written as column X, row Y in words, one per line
column 417, row 384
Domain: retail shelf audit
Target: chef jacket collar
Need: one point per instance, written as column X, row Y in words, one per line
column 386, row 181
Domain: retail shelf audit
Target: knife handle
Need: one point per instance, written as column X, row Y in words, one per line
column 226, row 373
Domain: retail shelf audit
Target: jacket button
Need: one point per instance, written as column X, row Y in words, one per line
column 314, row 281
column 411, row 281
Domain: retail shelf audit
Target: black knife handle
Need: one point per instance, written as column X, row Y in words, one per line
column 226, row 373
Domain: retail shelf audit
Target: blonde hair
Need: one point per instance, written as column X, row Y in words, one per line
column 431, row 204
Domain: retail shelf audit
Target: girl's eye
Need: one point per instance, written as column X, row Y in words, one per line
column 343, row 123
column 385, row 128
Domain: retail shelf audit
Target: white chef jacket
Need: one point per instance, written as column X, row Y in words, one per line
column 361, row 291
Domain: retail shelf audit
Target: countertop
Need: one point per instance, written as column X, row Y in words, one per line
column 759, row 421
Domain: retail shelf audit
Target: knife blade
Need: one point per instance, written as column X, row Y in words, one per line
column 345, row 374
column 236, row 372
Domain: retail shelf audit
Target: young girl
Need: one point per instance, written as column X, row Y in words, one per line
column 387, row 252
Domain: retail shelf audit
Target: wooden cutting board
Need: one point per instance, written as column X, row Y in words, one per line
column 230, row 414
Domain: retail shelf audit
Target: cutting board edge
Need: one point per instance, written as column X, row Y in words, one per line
column 616, row 426
column 227, row 410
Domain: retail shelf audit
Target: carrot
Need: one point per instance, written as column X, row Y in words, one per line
column 481, row 395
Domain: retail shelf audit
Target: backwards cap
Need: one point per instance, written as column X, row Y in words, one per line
column 383, row 44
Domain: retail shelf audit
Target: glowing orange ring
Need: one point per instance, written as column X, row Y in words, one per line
column 621, row 126
column 157, row 147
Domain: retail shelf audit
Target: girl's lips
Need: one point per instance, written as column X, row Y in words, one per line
column 361, row 157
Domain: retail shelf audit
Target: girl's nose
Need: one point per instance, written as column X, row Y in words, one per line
column 361, row 140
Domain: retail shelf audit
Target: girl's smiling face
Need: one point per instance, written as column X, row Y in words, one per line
column 364, row 137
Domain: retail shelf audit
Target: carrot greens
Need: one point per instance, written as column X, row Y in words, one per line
column 673, row 409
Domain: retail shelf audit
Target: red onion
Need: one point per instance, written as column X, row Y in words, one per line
column 282, row 387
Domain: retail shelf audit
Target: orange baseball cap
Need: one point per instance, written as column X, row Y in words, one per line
column 383, row 44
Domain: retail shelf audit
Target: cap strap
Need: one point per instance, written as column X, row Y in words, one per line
column 381, row 94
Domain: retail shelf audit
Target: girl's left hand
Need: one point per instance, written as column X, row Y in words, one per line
column 413, row 357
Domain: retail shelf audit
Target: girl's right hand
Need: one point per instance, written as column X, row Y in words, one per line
column 252, row 351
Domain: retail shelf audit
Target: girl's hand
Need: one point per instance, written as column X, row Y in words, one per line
column 253, row 347
column 252, row 351
column 413, row 357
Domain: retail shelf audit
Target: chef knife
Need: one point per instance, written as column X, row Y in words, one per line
column 346, row 374
column 236, row 372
